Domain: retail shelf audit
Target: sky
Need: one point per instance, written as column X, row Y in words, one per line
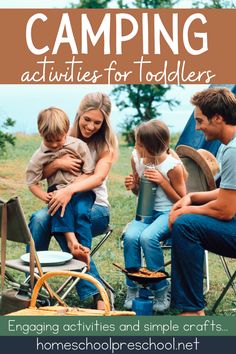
column 23, row 102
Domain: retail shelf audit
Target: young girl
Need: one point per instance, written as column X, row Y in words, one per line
column 152, row 148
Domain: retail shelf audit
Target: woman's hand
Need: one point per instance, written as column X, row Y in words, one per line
column 60, row 199
column 70, row 163
column 67, row 162
column 154, row 176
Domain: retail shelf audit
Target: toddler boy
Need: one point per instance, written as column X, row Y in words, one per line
column 53, row 126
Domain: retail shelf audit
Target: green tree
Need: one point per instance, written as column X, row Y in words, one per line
column 91, row 4
column 151, row 4
column 217, row 4
column 5, row 136
column 145, row 100
column 103, row 4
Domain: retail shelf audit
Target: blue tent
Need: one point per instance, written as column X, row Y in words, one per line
column 196, row 139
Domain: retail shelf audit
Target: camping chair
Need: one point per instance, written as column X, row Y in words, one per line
column 104, row 237
column 231, row 283
column 200, row 179
column 14, row 228
column 107, row 233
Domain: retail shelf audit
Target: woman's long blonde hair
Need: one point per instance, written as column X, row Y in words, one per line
column 104, row 139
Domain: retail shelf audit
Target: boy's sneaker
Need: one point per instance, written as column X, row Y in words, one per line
column 162, row 299
column 132, row 293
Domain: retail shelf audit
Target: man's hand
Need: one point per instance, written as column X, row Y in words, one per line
column 185, row 201
column 174, row 215
column 179, row 208
column 60, row 199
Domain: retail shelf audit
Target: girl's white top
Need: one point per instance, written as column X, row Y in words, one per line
column 162, row 202
column 101, row 191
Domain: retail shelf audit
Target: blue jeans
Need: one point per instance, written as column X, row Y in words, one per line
column 191, row 235
column 76, row 218
column 140, row 235
column 40, row 226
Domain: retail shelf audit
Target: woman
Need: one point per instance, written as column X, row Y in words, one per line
column 92, row 125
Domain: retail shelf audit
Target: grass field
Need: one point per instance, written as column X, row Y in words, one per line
column 12, row 169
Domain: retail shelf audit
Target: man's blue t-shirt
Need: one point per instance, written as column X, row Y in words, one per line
column 228, row 165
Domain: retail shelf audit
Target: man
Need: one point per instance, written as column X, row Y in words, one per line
column 205, row 220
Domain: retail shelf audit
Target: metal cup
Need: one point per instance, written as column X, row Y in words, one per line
column 147, row 192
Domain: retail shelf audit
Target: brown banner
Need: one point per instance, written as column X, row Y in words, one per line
column 172, row 46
